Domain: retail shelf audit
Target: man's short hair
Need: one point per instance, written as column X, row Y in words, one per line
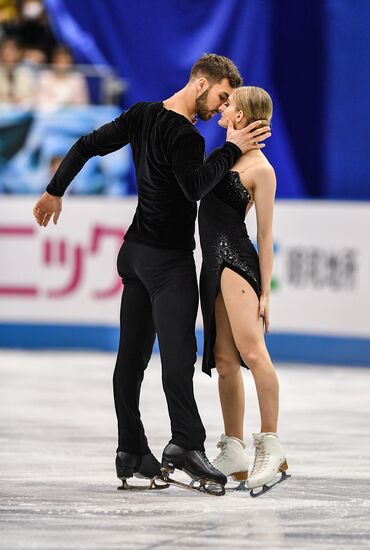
column 215, row 68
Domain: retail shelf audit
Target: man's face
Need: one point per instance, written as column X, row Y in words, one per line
column 209, row 102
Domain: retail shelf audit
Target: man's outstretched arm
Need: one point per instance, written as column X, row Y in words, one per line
column 105, row 140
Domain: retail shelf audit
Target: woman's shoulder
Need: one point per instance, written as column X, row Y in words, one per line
column 263, row 179
column 261, row 169
column 252, row 161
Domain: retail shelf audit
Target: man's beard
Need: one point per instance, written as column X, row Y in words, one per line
column 201, row 108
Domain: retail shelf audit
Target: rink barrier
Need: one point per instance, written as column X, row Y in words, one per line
column 320, row 287
column 283, row 347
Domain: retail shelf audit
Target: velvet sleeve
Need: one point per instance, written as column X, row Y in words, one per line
column 196, row 176
column 105, row 140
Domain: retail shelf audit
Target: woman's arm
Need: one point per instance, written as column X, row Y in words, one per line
column 264, row 196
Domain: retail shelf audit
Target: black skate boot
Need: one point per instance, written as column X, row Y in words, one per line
column 125, row 464
column 205, row 477
column 148, row 466
column 145, row 466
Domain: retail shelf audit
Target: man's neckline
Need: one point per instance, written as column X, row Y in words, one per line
column 175, row 113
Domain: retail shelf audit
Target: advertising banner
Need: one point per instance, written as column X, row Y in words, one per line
column 321, row 277
column 66, row 276
column 64, row 273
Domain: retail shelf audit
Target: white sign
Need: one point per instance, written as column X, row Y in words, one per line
column 67, row 273
column 321, row 268
column 63, row 273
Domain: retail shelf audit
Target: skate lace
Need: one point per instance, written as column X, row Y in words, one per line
column 223, row 454
column 261, row 457
column 203, row 454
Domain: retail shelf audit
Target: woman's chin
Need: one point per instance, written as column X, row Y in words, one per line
column 222, row 123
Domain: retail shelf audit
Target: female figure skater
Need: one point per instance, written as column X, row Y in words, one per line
column 235, row 288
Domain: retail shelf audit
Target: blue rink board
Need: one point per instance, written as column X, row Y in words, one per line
column 284, row 347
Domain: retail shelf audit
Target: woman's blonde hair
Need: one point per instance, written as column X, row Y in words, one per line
column 255, row 103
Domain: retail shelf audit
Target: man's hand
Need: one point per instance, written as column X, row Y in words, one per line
column 46, row 207
column 249, row 137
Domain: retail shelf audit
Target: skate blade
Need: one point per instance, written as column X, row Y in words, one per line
column 265, row 488
column 156, row 483
column 240, row 477
column 241, row 487
column 206, row 486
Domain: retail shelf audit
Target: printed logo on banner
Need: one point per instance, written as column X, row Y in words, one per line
column 69, row 257
column 65, row 273
column 314, row 267
column 320, row 268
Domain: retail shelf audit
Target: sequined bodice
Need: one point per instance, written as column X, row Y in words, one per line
column 223, row 233
column 222, row 230
column 232, row 192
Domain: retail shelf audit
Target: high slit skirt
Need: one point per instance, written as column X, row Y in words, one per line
column 240, row 256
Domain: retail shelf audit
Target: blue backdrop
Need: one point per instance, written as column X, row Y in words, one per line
column 311, row 56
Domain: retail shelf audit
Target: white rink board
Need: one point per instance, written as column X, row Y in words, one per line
column 71, row 266
column 322, row 267
column 67, row 273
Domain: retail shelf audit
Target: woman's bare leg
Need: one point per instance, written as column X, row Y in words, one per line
column 242, row 309
column 230, row 380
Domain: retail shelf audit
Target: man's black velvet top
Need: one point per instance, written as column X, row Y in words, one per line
column 171, row 171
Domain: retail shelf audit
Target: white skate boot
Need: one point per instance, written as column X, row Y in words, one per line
column 269, row 460
column 232, row 460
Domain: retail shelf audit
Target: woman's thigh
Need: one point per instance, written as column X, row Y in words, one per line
column 226, row 352
column 242, row 307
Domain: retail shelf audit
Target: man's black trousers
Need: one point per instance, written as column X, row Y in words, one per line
column 160, row 296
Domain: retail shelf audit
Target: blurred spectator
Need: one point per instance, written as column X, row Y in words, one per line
column 34, row 58
column 17, row 82
column 62, row 85
column 35, row 32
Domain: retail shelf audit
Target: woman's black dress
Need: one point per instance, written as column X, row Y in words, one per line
column 225, row 243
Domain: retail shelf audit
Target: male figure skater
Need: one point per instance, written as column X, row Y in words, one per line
column 156, row 263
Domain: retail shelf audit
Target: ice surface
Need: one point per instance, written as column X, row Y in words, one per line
column 57, row 447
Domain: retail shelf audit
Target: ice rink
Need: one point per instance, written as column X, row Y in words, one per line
column 58, row 485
